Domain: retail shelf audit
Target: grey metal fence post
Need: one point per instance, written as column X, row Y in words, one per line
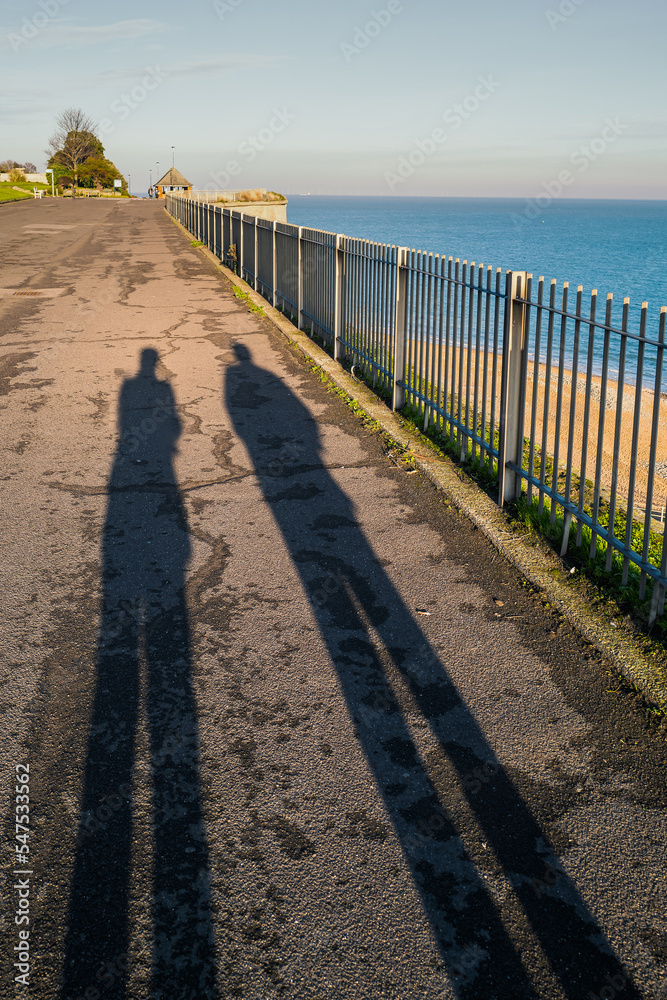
column 400, row 328
column 255, row 265
column 510, row 446
column 240, row 248
column 339, row 285
column 274, row 267
column 299, row 281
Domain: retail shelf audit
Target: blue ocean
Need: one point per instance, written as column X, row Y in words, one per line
column 614, row 246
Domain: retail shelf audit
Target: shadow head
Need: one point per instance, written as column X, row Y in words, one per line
column 242, row 353
column 149, row 360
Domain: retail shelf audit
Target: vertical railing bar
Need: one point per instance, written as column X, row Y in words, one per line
column 536, row 386
column 639, row 390
column 400, row 328
column 658, row 596
column 467, row 421
column 409, row 342
column 365, row 299
column 338, row 296
column 358, row 340
column 274, row 266
column 364, row 302
column 512, row 392
column 344, row 295
column 352, row 301
column 587, row 411
column 348, row 297
column 478, row 344
column 424, row 328
column 419, row 332
column 390, row 305
column 348, row 291
column 386, row 311
column 455, row 355
column 371, row 310
column 240, row 247
column 448, row 399
column 430, row 314
column 361, row 321
column 595, row 514
column 434, row 290
column 504, row 382
column 299, row 292
column 571, row 423
column 381, row 340
column 559, row 400
column 617, row 437
column 494, row 373
column 657, row 399
column 485, row 377
column 374, row 279
column 527, row 294
column 256, row 276
column 381, row 337
column 441, row 321
column 377, row 300
column 462, row 344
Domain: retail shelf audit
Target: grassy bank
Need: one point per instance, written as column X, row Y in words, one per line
column 9, row 192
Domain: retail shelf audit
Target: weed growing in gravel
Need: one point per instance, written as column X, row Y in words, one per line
column 252, row 306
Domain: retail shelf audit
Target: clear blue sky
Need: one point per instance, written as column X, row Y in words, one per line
column 210, row 77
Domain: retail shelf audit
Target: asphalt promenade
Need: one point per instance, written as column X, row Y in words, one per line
column 294, row 728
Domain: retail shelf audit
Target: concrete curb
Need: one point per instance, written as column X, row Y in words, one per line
column 541, row 567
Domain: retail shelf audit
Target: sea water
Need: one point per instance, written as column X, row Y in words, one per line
column 613, row 246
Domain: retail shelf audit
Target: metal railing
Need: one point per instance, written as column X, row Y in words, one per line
column 553, row 401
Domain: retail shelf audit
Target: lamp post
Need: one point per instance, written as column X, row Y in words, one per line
column 150, row 182
column 129, row 185
column 49, row 170
column 172, row 157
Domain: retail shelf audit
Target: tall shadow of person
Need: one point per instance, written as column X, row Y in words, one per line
column 144, row 626
column 381, row 655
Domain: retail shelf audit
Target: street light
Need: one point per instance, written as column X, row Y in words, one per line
column 129, row 185
column 49, row 170
column 150, row 182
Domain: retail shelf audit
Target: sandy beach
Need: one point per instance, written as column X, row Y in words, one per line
column 572, row 426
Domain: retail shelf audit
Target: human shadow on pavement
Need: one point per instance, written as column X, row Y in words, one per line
column 377, row 648
column 143, row 661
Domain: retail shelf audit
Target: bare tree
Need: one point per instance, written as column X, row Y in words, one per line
column 73, row 141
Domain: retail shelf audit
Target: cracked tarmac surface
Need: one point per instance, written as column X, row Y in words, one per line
column 294, row 728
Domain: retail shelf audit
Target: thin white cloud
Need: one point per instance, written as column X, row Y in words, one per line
column 207, row 68
column 239, row 60
column 59, row 34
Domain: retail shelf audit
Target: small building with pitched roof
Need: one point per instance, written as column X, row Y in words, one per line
column 173, row 181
